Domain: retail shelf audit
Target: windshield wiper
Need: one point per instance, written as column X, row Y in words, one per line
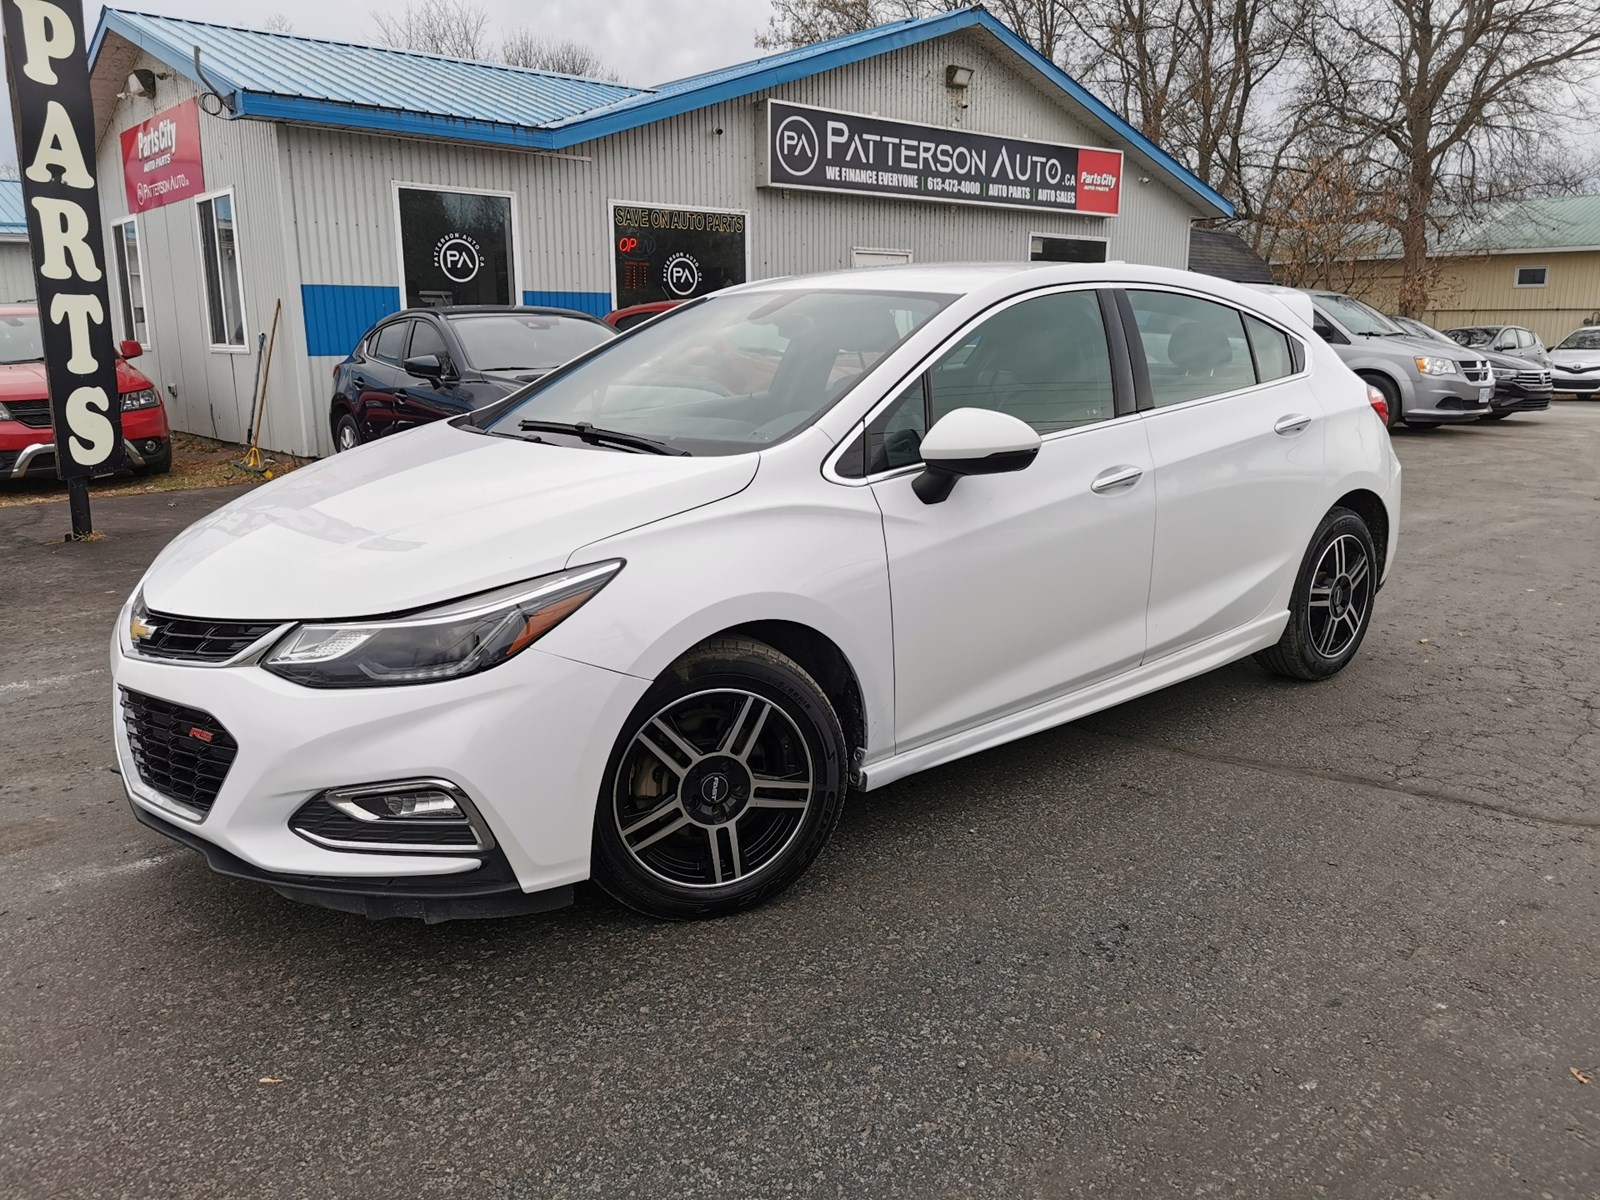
column 586, row 432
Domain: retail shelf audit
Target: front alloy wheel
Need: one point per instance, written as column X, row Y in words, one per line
column 724, row 787
column 1332, row 602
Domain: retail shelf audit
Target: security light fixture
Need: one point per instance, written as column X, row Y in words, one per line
column 957, row 77
column 142, row 83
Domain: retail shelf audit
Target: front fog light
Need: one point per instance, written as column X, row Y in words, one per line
column 409, row 816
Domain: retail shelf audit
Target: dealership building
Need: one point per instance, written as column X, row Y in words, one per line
column 245, row 173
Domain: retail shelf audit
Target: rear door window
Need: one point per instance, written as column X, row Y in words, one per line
column 1274, row 355
column 1193, row 348
column 390, row 343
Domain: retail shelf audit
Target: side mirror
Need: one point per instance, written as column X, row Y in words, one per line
column 129, row 348
column 972, row 441
column 425, row 366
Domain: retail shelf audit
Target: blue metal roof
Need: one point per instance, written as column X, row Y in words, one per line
column 13, row 217
column 286, row 77
column 261, row 64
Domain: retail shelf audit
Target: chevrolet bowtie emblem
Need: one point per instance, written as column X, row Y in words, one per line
column 138, row 630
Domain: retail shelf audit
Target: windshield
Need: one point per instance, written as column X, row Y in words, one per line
column 1358, row 317
column 1582, row 339
column 525, row 341
column 732, row 373
column 19, row 338
column 1472, row 337
column 1418, row 329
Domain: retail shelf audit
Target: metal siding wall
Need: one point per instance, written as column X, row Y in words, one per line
column 16, row 272
column 1480, row 291
column 210, row 392
column 340, row 186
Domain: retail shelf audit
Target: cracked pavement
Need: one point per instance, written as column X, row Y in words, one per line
column 1241, row 937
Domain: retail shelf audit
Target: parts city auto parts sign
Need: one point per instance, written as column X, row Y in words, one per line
column 161, row 158
column 844, row 152
column 666, row 253
column 49, row 70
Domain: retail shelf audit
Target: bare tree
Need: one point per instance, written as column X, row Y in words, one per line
column 456, row 28
column 524, row 48
column 1439, row 100
column 278, row 23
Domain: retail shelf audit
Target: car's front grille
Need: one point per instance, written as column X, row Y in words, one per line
column 1533, row 379
column 1476, row 372
column 33, row 413
column 182, row 753
column 193, row 639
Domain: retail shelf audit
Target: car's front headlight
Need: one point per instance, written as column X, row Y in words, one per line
column 143, row 398
column 456, row 639
column 1504, row 372
column 1437, row 366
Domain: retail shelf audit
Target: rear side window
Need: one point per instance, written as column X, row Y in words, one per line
column 390, row 343
column 1193, row 348
column 1274, row 356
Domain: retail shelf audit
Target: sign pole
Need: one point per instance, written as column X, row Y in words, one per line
column 48, row 64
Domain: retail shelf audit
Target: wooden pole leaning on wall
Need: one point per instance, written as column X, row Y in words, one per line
column 252, row 456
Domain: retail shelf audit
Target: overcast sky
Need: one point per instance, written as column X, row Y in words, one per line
column 644, row 41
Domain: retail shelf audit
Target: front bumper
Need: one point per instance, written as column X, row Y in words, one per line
column 38, row 459
column 1442, row 400
column 1513, row 397
column 527, row 742
column 1586, row 384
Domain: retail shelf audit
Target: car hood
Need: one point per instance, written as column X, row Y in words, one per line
column 1574, row 360
column 27, row 380
column 420, row 518
column 1430, row 348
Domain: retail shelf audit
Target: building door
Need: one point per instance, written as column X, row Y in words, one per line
column 1044, row 247
column 866, row 256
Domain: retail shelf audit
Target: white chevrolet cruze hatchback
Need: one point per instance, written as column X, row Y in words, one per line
column 651, row 619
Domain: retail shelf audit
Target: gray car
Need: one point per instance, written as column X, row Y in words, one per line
column 1519, row 385
column 1575, row 363
column 1424, row 383
column 1501, row 339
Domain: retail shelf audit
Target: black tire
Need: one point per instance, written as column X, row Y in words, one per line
column 682, row 850
column 1391, row 398
column 1306, row 651
column 158, row 463
column 346, row 433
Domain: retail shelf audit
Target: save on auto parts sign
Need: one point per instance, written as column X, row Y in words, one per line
column 48, row 67
column 662, row 252
column 827, row 151
column 161, row 158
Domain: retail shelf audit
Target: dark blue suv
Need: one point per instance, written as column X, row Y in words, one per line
column 425, row 364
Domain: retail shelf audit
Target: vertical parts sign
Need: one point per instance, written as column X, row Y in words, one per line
column 161, row 158
column 665, row 253
column 48, row 66
column 827, row 151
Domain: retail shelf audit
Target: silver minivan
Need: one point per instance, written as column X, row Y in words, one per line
column 1424, row 382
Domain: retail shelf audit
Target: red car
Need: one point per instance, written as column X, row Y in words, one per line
column 626, row 318
column 27, row 442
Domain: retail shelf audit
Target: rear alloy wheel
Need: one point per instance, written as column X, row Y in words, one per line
column 346, row 434
column 1332, row 602
column 724, row 786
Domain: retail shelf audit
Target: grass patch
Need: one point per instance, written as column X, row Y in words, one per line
column 197, row 462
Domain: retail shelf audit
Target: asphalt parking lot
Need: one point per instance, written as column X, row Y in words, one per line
column 1242, row 937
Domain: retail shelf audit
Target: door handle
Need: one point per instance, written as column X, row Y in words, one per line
column 1288, row 426
column 1116, row 478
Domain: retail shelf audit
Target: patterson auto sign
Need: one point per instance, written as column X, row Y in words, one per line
column 828, row 151
column 161, row 158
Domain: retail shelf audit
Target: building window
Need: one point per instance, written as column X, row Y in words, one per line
column 871, row 256
column 219, row 248
column 130, row 276
column 1532, row 276
column 1044, row 247
column 455, row 247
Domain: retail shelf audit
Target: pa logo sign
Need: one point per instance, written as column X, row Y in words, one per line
column 682, row 275
column 796, row 145
column 458, row 256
